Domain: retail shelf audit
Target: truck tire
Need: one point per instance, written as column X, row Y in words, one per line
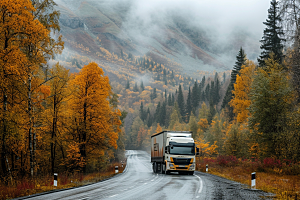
column 163, row 168
column 154, row 167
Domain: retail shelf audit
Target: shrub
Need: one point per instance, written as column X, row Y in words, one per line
column 272, row 163
column 227, row 160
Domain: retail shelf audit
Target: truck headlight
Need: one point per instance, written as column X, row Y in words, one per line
column 171, row 165
column 192, row 166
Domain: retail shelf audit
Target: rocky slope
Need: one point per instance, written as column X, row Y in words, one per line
column 115, row 26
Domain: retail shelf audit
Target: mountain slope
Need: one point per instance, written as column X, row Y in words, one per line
column 114, row 26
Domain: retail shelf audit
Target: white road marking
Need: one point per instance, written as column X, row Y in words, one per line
column 114, row 195
column 201, row 185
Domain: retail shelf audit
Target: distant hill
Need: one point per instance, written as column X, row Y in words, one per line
column 92, row 24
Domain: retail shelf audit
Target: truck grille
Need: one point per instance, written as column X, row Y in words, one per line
column 182, row 161
column 181, row 168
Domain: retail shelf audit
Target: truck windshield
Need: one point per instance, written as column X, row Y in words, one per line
column 183, row 150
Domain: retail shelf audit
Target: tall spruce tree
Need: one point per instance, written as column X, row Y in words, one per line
column 142, row 86
column 271, row 40
column 143, row 114
column 127, row 84
column 169, row 100
column 240, row 61
column 188, row 106
column 195, row 97
column 135, row 88
column 180, row 102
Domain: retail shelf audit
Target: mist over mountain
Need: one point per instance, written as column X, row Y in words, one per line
column 191, row 33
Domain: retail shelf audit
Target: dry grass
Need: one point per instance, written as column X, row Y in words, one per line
column 41, row 184
column 270, row 180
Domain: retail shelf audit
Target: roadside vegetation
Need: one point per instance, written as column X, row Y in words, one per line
column 28, row 186
column 278, row 177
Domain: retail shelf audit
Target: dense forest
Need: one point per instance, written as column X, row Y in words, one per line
column 81, row 113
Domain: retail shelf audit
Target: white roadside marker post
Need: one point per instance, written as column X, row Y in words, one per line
column 253, row 185
column 55, row 179
column 116, row 169
column 206, row 167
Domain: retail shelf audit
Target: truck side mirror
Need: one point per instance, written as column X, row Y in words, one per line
column 197, row 151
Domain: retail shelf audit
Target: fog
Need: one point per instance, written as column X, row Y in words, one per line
column 221, row 20
column 226, row 24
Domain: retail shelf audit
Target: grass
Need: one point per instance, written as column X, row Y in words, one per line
column 269, row 179
column 41, row 184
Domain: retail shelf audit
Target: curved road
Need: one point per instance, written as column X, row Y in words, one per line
column 139, row 182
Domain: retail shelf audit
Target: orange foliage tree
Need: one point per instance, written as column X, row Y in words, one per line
column 241, row 100
column 25, row 43
column 91, row 116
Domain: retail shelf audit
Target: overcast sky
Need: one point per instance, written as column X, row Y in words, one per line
column 221, row 15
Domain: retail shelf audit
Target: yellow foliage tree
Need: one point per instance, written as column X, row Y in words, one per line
column 158, row 128
column 91, row 115
column 241, row 100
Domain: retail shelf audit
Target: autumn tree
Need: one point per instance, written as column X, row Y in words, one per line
column 240, row 61
column 237, row 139
column 175, row 117
column 25, row 44
column 271, row 97
column 54, row 116
column 241, row 100
column 92, row 118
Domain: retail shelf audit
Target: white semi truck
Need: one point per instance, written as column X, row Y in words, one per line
column 173, row 151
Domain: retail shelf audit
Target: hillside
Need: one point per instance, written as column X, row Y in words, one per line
column 165, row 38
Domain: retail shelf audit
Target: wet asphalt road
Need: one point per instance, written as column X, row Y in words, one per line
column 139, row 182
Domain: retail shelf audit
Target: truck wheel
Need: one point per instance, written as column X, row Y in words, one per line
column 154, row 167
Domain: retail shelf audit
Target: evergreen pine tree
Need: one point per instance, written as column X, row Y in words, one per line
column 153, row 95
column 149, row 118
column 180, row 102
column 207, row 93
column 240, row 61
column 127, row 84
column 157, row 113
column 135, row 88
column 165, row 76
column 188, row 106
column 195, row 97
column 201, row 84
column 271, row 40
column 173, row 100
column 217, row 91
column 142, row 112
column 170, row 100
column 212, row 112
column 142, row 86
column 165, row 95
column 212, row 92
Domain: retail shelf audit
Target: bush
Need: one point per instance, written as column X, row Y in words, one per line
column 227, row 161
column 272, row 163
